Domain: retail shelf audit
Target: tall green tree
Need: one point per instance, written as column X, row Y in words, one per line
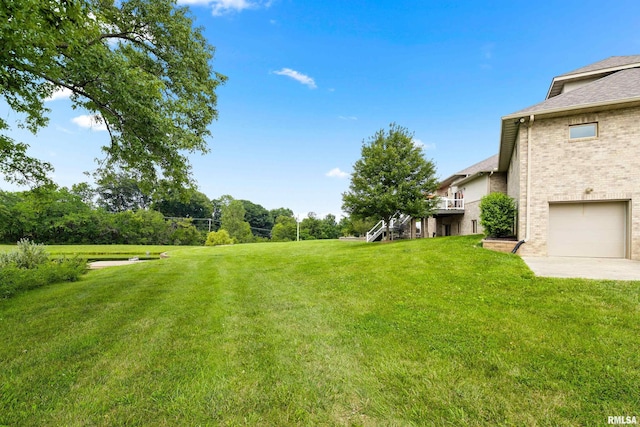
column 118, row 192
column 329, row 227
column 391, row 176
column 138, row 66
column 351, row 226
column 284, row 230
column 275, row 213
column 232, row 220
column 310, row 227
column 258, row 217
column 188, row 203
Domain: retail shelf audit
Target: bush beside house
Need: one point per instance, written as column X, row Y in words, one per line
column 498, row 215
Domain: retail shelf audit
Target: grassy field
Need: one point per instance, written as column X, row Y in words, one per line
column 104, row 252
column 423, row 332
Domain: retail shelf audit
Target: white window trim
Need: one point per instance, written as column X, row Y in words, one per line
column 583, row 138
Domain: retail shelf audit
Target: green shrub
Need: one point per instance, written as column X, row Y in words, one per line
column 29, row 267
column 185, row 233
column 220, row 237
column 28, row 255
column 497, row 215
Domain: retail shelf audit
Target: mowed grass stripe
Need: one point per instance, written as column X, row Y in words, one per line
column 435, row 331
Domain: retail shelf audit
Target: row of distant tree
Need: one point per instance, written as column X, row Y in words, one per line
column 117, row 211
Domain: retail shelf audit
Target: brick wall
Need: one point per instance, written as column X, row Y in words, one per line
column 594, row 169
column 498, row 182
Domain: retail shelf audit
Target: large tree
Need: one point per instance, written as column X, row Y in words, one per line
column 284, row 230
column 258, row 218
column 138, row 66
column 392, row 176
column 118, row 192
column 232, row 220
column 188, row 203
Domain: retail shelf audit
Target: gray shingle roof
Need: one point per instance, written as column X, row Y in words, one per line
column 487, row 165
column 619, row 86
column 611, row 62
column 618, row 83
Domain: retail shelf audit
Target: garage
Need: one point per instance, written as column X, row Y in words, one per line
column 592, row 229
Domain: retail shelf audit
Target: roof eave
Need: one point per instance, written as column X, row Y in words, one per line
column 511, row 123
column 559, row 81
column 472, row 177
column 445, row 183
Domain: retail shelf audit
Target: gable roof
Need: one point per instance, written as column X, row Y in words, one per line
column 610, row 62
column 611, row 83
column 486, row 165
column 619, row 86
column 593, row 71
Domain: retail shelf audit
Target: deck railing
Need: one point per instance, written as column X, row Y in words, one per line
column 450, row 204
column 397, row 221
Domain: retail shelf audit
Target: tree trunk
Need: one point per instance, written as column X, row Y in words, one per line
column 387, row 222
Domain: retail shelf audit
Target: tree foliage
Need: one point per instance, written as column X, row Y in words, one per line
column 391, row 176
column 185, row 233
column 497, row 214
column 217, row 238
column 119, row 192
column 188, row 203
column 53, row 215
column 284, row 229
column 275, row 213
column 29, row 267
column 312, row 227
column 232, row 220
column 351, row 226
column 258, row 218
column 58, row 216
column 138, row 66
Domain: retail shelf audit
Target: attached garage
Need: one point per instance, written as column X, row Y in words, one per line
column 590, row 229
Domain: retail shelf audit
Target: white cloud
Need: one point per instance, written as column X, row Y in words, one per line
column 221, row 7
column 337, row 173
column 423, row 145
column 347, row 117
column 59, row 93
column 95, row 123
column 62, row 129
column 487, row 50
column 299, row 77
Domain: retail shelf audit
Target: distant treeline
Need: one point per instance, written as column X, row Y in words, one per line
column 82, row 215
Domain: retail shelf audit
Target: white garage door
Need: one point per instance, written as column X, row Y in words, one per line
column 588, row 229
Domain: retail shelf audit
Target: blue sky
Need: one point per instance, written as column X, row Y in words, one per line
column 308, row 81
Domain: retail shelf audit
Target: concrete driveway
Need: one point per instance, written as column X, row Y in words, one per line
column 585, row 268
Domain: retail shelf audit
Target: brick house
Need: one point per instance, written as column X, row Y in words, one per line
column 459, row 210
column 573, row 164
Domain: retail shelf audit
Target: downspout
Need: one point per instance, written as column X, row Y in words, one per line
column 529, row 133
column 527, row 233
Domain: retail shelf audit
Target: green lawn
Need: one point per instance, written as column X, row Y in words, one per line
column 102, row 252
column 423, row 332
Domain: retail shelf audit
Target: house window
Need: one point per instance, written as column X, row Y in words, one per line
column 589, row 130
column 474, row 226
